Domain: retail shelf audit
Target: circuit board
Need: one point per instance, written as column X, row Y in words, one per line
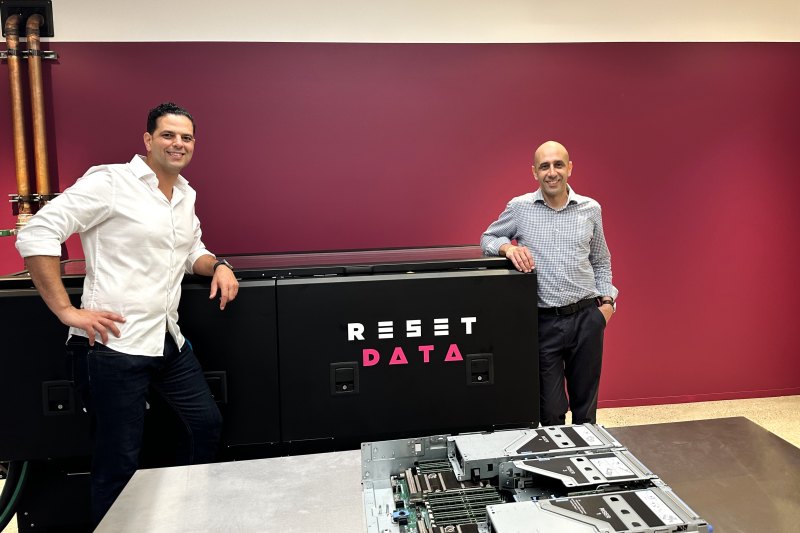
column 429, row 499
column 568, row 478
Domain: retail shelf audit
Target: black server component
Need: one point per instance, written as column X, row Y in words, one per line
column 55, row 498
column 396, row 355
column 41, row 415
column 44, row 422
column 238, row 351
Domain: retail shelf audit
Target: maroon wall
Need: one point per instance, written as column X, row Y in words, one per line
column 689, row 147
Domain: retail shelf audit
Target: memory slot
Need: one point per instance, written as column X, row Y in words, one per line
column 460, row 506
column 428, row 467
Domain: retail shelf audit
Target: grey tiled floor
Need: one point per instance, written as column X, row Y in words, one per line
column 780, row 415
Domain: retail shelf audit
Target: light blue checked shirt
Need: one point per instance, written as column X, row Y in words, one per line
column 568, row 246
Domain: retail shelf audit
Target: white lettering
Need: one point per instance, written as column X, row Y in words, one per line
column 386, row 330
column 355, row 331
column 441, row 327
column 468, row 321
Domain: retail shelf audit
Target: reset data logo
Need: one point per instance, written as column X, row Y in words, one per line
column 357, row 332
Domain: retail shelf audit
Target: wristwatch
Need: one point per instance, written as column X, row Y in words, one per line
column 610, row 301
column 222, row 262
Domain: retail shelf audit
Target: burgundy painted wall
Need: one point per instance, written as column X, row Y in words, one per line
column 689, row 147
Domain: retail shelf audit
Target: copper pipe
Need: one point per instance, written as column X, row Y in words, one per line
column 37, row 104
column 17, row 119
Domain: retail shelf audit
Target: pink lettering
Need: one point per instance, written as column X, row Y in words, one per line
column 426, row 352
column 398, row 357
column 453, row 354
column 370, row 357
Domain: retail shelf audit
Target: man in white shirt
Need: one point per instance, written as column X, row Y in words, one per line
column 139, row 234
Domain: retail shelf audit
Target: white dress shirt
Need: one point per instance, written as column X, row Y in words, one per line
column 137, row 246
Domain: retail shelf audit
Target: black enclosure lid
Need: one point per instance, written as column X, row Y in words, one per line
column 328, row 263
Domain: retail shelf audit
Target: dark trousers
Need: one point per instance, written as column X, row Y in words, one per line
column 114, row 387
column 571, row 348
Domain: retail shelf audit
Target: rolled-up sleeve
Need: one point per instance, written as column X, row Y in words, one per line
column 84, row 205
column 198, row 248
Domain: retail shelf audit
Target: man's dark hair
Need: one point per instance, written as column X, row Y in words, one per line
column 167, row 108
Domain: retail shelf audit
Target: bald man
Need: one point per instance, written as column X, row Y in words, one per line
column 560, row 234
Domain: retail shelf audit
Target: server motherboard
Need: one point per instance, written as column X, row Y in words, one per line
column 570, row 479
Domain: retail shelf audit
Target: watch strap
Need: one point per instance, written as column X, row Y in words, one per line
column 221, row 262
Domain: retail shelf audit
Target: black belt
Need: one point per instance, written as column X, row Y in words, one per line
column 568, row 309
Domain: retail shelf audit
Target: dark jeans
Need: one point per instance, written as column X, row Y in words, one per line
column 571, row 348
column 114, row 386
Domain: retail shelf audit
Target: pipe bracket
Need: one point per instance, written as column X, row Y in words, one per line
column 35, row 201
column 44, row 54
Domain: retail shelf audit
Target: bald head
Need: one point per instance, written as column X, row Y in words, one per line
column 552, row 169
column 552, row 148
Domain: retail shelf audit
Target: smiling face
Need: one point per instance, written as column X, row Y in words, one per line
column 552, row 169
column 170, row 146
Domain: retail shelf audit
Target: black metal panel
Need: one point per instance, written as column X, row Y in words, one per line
column 26, row 8
column 239, row 350
column 241, row 343
column 362, row 262
column 55, row 497
column 399, row 394
column 33, row 353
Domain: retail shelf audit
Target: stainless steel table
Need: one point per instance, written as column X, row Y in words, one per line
column 738, row 476
column 299, row 494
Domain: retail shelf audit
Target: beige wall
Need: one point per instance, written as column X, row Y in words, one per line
column 431, row 21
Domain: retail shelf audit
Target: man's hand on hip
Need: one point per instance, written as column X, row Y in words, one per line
column 94, row 323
